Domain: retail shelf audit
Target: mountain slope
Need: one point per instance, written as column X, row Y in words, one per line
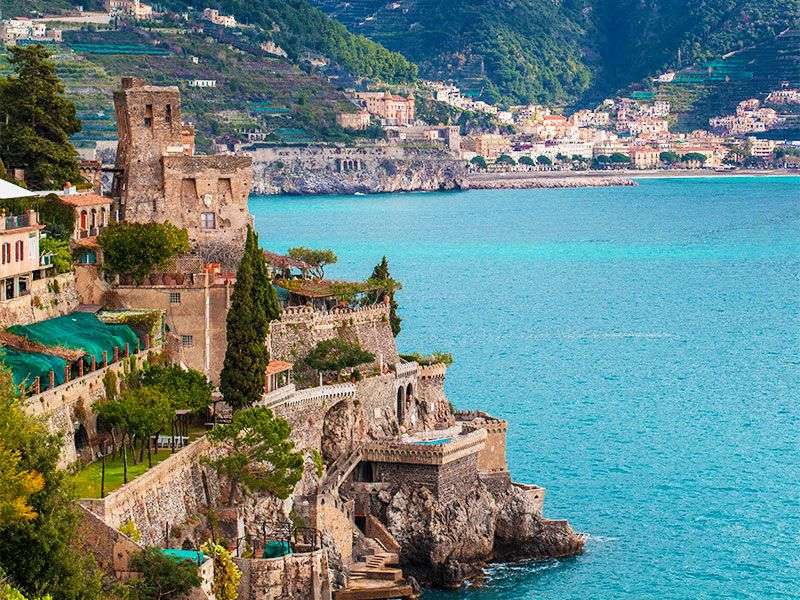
column 540, row 50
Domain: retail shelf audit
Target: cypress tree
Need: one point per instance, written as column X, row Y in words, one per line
column 381, row 273
column 267, row 296
column 242, row 377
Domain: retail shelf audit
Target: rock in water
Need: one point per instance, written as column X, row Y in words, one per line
column 448, row 541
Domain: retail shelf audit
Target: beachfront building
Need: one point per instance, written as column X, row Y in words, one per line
column 644, row 157
column 488, row 145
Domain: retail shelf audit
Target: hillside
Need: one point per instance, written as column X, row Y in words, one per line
column 539, row 50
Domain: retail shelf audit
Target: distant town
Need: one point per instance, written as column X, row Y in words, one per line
column 635, row 132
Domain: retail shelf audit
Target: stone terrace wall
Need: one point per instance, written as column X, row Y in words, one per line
column 432, row 403
column 65, row 404
column 301, row 328
column 305, row 409
column 493, row 457
column 167, row 494
column 42, row 303
column 111, row 549
column 302, row 576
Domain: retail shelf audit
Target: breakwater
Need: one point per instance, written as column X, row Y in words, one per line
column 534, row 180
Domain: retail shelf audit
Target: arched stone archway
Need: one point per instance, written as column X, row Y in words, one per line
column 401, row 404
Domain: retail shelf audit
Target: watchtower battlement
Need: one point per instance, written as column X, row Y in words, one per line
column 159, row 177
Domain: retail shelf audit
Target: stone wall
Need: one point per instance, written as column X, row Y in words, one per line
column 168, row 494
column 111, row 549
column 301, row 576
column 68, row 404
column 43, row 302
column 301, row 328
column 347, row 170
column 433, row 407
column 335, row 517
column 493, row 457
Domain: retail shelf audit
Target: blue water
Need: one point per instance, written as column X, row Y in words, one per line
column 644, row 345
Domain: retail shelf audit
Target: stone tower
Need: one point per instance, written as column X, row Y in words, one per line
column 159, row 178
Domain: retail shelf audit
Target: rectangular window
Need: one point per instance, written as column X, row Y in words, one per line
column 148, row 115
column 187, row 341
column 208, row 220
column 174, row 297
column 168, row 113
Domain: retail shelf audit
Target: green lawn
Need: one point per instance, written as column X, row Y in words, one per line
column 87, row 480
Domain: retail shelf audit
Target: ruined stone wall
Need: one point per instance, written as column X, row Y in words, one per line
column 167, row 494
column 346, row 170
column 301, row 576
column 48, row 298
column 301, row 328
column 70, row 403
column 200, row 313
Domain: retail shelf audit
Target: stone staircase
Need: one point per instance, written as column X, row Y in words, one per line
column 376, row 577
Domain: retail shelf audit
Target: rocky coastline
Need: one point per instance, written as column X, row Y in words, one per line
column 387, row 175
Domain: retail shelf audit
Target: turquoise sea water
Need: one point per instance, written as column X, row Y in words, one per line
column 644, row 345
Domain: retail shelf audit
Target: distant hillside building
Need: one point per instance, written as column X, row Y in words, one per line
column 212, row 14
column 132, row 9
column 390, row 108
column 357, row 120
column 159, row 178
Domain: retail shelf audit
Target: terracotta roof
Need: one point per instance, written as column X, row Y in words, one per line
column 278, row 366
column 284, row 262
column 85, row 199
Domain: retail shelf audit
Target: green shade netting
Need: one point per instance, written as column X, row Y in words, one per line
column 27, row 366
column 81, row 331
column 179, row 555
column 276, row 549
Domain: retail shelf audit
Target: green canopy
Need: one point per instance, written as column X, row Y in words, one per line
column 80, row 331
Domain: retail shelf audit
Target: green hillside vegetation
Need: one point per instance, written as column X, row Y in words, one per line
column 297, row 27
column 543, row 51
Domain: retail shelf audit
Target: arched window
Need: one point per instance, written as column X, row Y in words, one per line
column 6, row 252
column 409, row 392
column 94, row 218
column 103, row 217
column 19, row 251
column 83, row 219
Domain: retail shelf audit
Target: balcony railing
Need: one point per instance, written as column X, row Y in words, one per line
column 18, row 221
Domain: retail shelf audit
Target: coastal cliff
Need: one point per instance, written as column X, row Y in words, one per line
column 339, row 170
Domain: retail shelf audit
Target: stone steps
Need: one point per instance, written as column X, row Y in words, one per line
column 366, row 572
column 370, row 590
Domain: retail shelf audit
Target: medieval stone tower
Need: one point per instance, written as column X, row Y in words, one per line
column 159, row 178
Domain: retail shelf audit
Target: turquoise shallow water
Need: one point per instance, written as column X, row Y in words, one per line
column 644, row 344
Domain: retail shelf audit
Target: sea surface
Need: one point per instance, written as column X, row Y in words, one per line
column 644, row 345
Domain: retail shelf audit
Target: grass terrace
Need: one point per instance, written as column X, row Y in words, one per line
column 86, row 481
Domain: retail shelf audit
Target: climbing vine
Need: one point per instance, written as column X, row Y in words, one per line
column 226, row 573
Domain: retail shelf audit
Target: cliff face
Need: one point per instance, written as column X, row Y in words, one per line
column 386, row 175
column 446, row 542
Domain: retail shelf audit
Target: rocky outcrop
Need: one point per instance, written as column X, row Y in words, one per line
column 423, row 173
column 446, row 542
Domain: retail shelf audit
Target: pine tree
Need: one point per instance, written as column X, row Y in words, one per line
column 36, row 121
column 242, row 377
column 381, row 273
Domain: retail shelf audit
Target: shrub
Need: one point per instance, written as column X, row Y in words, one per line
column 139, row 248
column 129, row 528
